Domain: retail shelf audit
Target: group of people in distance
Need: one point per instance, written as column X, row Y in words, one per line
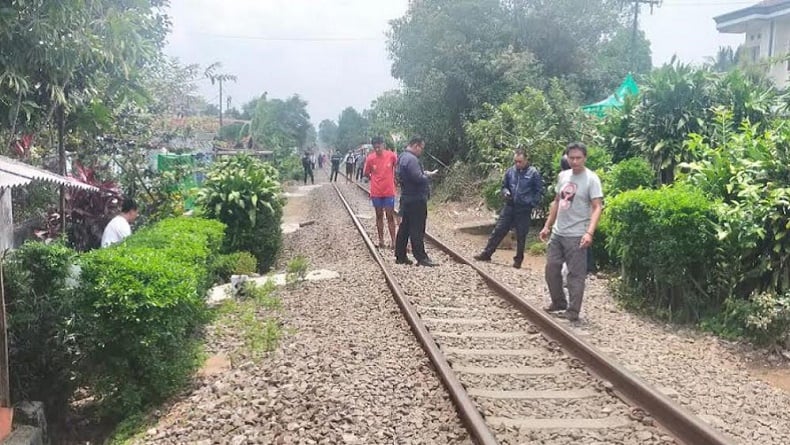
column 569, row 229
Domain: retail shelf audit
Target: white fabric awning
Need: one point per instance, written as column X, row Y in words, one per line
column 14, row 173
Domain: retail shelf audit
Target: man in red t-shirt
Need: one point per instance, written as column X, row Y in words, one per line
column 380, row 168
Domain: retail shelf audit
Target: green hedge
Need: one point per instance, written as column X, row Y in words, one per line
column 665, row 242
column 40, row 307
column 140, row 304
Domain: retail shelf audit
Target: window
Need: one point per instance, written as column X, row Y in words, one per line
column 754, row 53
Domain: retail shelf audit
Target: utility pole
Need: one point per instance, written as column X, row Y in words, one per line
column 635, row 32
column 213, row 76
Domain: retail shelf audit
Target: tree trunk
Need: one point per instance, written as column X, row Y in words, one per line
column 61, row 118
column 220, row 106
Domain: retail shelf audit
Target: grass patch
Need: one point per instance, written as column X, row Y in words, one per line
column 537, row 248
column 296, row 270
column 252, row 319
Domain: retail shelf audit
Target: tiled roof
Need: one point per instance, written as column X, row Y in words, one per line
column 14, row 173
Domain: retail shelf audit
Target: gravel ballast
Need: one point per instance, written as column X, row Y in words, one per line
column 452, row 285
column 709, row 376
column 348, row 370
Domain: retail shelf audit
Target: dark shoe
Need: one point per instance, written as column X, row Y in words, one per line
column 570, row 316
column 553, row 308
column 426, row 263
column 482, row 257
column 405, row 261
column 517, row 264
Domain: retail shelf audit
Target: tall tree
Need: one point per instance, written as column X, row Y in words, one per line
column 281, row 124
column 352, row 129
column 327, row 133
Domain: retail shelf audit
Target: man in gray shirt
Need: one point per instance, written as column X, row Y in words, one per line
column 576, row 211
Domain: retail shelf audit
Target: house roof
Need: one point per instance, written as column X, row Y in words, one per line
column 765, row 10
column 14, row 173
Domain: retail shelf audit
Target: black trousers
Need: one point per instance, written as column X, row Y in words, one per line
column 510, row 217
column 359, row 173
column 412, row 228
column 334, row 172
column 309, row 171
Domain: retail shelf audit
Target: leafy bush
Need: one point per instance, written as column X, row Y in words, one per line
column 140, row 303
column 457, row 183
column 40, row 305
column 492, row 194
column 630, row 174
column 236, row 263
column 665, row 241
column 750, row 171
column 764, row 319
column 244, row 193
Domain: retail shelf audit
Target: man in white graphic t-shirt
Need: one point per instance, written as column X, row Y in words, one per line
column 576, row 211
column 119, row 227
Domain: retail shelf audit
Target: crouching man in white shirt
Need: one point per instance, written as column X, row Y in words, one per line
column 119, row 227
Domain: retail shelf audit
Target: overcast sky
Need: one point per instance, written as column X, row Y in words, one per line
column 333, row 52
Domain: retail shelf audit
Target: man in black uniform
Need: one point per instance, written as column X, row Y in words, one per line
column 415, row 190
column 307, row 165
column 335, row 160
column 522, row 189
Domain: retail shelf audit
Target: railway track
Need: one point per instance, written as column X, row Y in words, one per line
column 519, row 376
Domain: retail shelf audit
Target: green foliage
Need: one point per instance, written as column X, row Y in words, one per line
column 41, row 310
column 283, row 124
column 750, row 171
column 630, row 174
column 233, row 132
column 537, row 248
column 542, row 124
column 665, row 241
column 459, row 181
column 139, row 305
column 764, row 319
column 296, row 270
column 236, row 263
column 352, row 130
column 678, row 100
column 327, row 133
column 492, row 194
column 244, row 193
column 259, row 333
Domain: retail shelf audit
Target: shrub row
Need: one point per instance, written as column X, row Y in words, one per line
column 139, row 305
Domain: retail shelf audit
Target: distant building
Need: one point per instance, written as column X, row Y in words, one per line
column 766, row 26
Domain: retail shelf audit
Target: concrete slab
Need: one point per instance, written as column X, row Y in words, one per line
column 505, row 370
column 289, row 228
column 494, row 352
column 533, row 395
column 223, row 292
column 497, row 335
column 564, row 424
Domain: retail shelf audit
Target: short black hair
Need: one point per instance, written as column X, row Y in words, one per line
column 377, row 140
column 576, row 146
column 416, row 140
column 564, row 164
column 128, row 205
column 520, row 152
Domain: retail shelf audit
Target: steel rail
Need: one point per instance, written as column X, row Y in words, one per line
column 467, row 410
column 679, row 422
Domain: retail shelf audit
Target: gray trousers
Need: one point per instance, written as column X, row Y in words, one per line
column 563, row 249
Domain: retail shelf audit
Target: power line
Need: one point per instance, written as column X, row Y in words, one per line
column 294, row 39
